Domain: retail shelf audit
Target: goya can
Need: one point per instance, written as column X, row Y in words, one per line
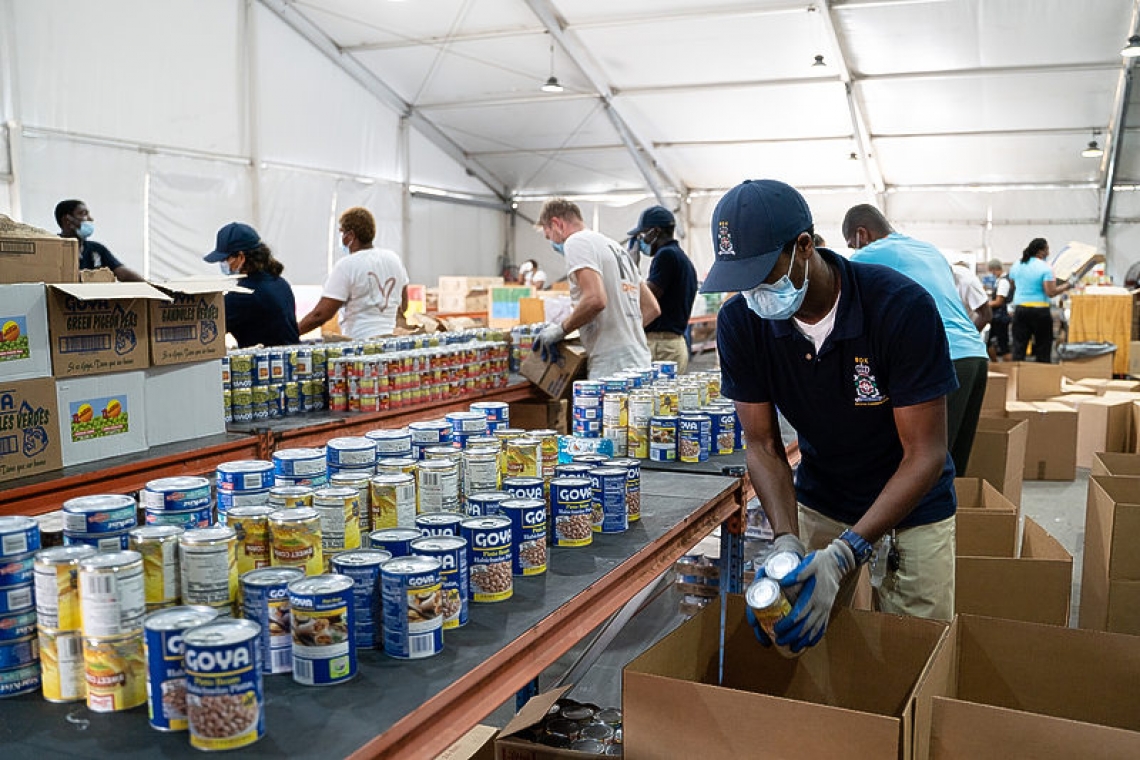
column 412, row 595
column 723, row 429
column 165, row 674
column 485, row 503
column 524, row 488
column 22, row 680
column 115, row 671
column 570, row 501
column 162, row 568
column 572, row 470
column 225, row 706
column 245, row 475
column 632, row 486
column 299, row 463
column 663, row 438
column 324, row 624
column 339, row 509
column 182, row 493
column 451, row 551
column 391, row 443
column 251, row 529
column 112, row 594
column 57, row 586
column 265, row 600
column 481, row 469
column 295, row 540
column 395, row 541
column 438, row 481
column 695, row 432
column 351, row 452
column 290, row 497
column 103, row 542
column 64, row 675
column 17, row 570
column 439, row 524
column 363, row 567
column 528, row 535
column 489, row 557
column 208, row 564
column 609, row 511
column 524, row 457
column 393, row 500
column 102, row 514
column 360, row 480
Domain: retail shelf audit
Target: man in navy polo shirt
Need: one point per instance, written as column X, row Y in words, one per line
column 855, row 357
column 672, row 279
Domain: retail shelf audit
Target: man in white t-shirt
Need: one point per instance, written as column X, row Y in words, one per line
column 370, row 284
column 972, row 294
column 612, row 303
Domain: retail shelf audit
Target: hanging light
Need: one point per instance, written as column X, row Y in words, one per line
column 818, row 61
column 1132, row 49
column 1092, row 151
column 552, row 84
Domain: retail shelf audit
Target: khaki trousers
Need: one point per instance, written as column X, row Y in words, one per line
column 669, row 347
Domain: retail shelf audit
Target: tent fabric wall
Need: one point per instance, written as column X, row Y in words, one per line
column 453, row 239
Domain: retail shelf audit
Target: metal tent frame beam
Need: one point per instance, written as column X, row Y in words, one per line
column 1114, row 140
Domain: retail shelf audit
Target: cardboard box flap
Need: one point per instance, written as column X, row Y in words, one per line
column 534, row 711
column 99, row 291
column 1036, row 543
column 199, row 285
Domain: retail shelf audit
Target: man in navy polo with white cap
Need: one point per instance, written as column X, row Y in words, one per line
column 672, row 279
column 855, row 357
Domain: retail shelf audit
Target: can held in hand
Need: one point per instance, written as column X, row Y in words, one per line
column 393, row 500
column 412, row 592
column 295, row 540
column 489, row 557
column 251, row 528
column 768, row 603
column 208, row 564
column 225, row 706
column 100, row 514
column 663, row 438
column 112, row 596
column 324, row 624
column 395, row 541
column 528, row 535
column 57, row 586
column 609, row 511
column 162, row 579
column 61, row 661
column 265, row 600
column 451, row 551
column 115, row 671
column 165, row 674
column 363, row 567
column 570, row 501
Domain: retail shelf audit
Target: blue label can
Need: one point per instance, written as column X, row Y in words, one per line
column 324, row 625
column 412, row 592
column 570, row 504
column 227, row 500
column 496, row 412
column 632, row 486
column 485, row 503
column 17, row 625
column 395, row 541
column 22, row 680
column 299, row 463
column 103, row 542
column 695, row 437
column 109, row 513
column 610, row 514
column 352, row 452
column 391, row 443
column 17, row 570
column 265, row 600
column 223, row 681
column 665, row 369
column 189, row 519
column 17, row 599
column 451, row 551
column 723, row 430
column 528, row 535
column 245, row 475
column 363, row 567
column 489, row 557
column 165, row 676
column 14, row 654
column 524, row 488
column 314, row 481
column 663, row 432
column 430, row 433
column 178, row 494
column 468, row 423
column 18, row 535
column 439, row 524
column 572, row 470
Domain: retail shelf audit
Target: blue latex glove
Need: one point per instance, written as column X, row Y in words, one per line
column 788, row 542
column 821, row 573
column 547, row 342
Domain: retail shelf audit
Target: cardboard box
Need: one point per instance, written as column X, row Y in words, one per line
column 541, row 415
column 999, row 689
column 1104, row 423
column 1112, row 463
column 453, row 302
column 192, row 326
column 102, row 416
column 1092, row 366
column 532, row 310
column 184, row 402
column 1134, row 358
column 456, row 284
column 1033, row 585
column 30, row 438
column 504, row 311
column 817, row 705
column 476, row 744
column 1074, row 260
column 986, row 521
column 997, row 388
column 1110, row 576
column 556, row 378
column 509, row 745
column 1037, row 382
column 100, row 327
column 39, row 259
column 1051, row 446
column 25, row 350
column 998, row 455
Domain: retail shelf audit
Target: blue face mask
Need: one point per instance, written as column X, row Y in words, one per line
column 646, row 248
column 559, row 248
column 225, row 267
column 86, row 229
column 780, row 300
column 344, row 250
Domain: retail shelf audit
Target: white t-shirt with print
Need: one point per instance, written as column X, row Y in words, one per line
column 371, row 283
column 614, row 339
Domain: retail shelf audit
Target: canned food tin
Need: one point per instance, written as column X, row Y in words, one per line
column 351, row 452
column 524, row 457
column 261, row 368
column 17, row 681
column 187, row 519
column 208, row 563
column 324, row 622
column 103, row 542
column 176, row 493
column 548, row 451
column 779, row 565
column 101, row 514
column 245, row 475
column 391, row 443
column 640, row 413
column 276, row 366
column 19, row 652
column 768, row 603
column 17, row 570
column 17, row 625
column 524, row 487
column 572, row 470
column 485, row 441
column 570, row 501
column 666, row 401
column 615, row 420
column 225, row 707
column 494, row 411
column 158, row 545
column 632, row 486
column 485, row 503
column 467, row 422
column 528, row 535
column 412, row 593
column 115, row 671
column 51, row 529
column 228, row 500
column 363, row 567
column 295, row 540
column 299, row 463
column 395, row 541
column 165, row 674
column 393, row 500
column 451, row 551
column 61, row 661
column 489, row 557
column 695, row 436
column 688, row 398
column 610, row 514
column 397, row 465
column 480, row 469
column 438, row 524
column 665, row 369
column 251, row 527
column 112, row 594
column 339, row 509
column 265, row 600
column 505, row 434
column 723, row 430
column 430, row 433
column 438, row 486
column 595, row 460
column 289, row 497
column 663, row 438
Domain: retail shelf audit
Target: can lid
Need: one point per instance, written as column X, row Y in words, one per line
column 362, row 557
column 98, row 503
column 179, row 618
column 380, row 435
column 438, row 544
column 298, row 454
column 110, row 559
column 209, row 535
column 222, row 631
column 271, row 576
column 299, row 514
column 491, row 522
column 353, row 443
column 391, row 478
column 253, row 510
column 780, row 564
column 763, row 594
column 522, row 504
column 145, row 532
column 410, row 565
column 329, row 583
column 394, row 534
column 246, row 465
column 65, row 555
column 177, row 484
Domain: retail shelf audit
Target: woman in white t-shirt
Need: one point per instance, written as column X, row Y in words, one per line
column 370, row 284
column 530, row 274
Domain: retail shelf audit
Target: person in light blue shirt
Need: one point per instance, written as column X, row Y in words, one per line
column 1034, row 285
column 869, row 233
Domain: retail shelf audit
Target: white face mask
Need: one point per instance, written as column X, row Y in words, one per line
column 781, row 299
column 225, row 267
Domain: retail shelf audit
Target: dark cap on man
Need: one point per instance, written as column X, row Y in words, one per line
column 233, row 238
column 750, row 226
column 654, row 216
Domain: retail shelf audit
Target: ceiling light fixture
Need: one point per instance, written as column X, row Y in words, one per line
column 1132, row 49
column 552, row 84
column 818, row 61
column 1093, row 151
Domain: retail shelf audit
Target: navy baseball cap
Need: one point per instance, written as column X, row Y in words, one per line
column 232, row 238
column 654, row 216
column 750, row 226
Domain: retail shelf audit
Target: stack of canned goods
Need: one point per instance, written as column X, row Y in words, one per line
column 498, row 414
column 59, row 621
column 428, row 434
column 19, row 648
column 102, row 521
column 183, row 501
column 243, row 483
column 522, row 338
column 300, row 467
column 351, row 464
column 266, row 383
column 394, row 443
column 587, row 408
column 112, row 601
column 464, row 425
column 581, row 727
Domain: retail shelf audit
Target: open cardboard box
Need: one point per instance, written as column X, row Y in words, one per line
column 1104, row 423
column 997, row 388
column 191, row 327
column 1115, row 463
column 556, row 378
column 1110, row 576
column 100, row 327
column 999, row 689
column 851, row 695
column 986, row 521
column 1051, row 445
column 509, row 745
column 998, row 455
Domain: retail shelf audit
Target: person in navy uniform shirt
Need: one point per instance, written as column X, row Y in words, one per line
column 855, row 357
column 268, row 315
column 75, row 221
column 672, row 279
